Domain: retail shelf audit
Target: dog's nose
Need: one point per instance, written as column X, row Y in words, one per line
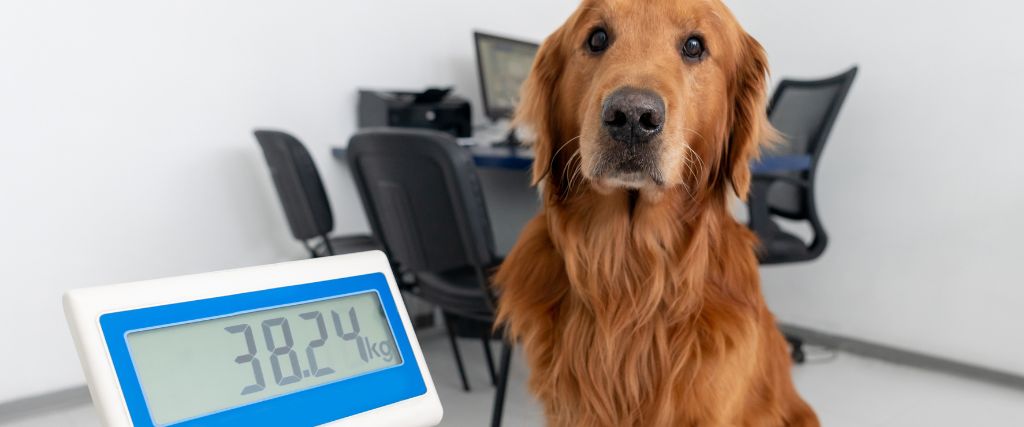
column 633, row 116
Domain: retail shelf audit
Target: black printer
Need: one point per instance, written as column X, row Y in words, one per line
column 432, row 109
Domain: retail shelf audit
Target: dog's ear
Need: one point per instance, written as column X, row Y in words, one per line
column 750, row 127
column 534, row 119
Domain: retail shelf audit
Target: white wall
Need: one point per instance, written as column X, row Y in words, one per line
column 922, row 184
column 127, row 151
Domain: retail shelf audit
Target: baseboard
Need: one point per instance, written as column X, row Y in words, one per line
column 905, row 357
column 42, row 404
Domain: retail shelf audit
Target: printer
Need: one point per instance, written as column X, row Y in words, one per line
column 431, row 109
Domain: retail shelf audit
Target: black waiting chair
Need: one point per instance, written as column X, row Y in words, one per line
column 303, row 197
column 783, row 181
column 423, row 198
column 455, row 325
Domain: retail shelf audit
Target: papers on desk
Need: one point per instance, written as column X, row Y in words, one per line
column 487, row 134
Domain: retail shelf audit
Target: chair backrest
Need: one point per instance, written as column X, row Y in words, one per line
column 298, row 184
column 423, row 198
column 804, row 112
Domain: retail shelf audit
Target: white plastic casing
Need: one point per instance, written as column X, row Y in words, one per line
column 83, row 308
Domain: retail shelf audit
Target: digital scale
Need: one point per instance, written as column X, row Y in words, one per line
column 325, row 341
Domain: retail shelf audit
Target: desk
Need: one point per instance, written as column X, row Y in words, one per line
column 520, row 158
column 506, row 157
column 512, row 203
column 485, row 156
column 504, row 176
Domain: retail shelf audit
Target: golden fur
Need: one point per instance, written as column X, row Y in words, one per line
column 640, row 305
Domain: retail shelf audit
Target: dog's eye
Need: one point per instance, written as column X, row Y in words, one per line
column 693, row 48
column 598, row 41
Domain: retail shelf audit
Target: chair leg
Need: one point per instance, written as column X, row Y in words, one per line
column 327, row 244
column 486, row 339
column 312, row 250
column 499, row 393
column 455, row 351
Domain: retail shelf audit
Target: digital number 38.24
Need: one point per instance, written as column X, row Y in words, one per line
column 278, row 350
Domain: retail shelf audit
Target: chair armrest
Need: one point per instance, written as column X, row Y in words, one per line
column 784, row 163
column 760, row 213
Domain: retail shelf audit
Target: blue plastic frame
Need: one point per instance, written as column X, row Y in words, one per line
column 311, row 407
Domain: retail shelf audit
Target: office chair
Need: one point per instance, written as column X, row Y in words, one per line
column 422, row 194
column 783, row 182
column 455, row 326
column 303, row 197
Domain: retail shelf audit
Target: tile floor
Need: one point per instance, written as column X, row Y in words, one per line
column 846, row 391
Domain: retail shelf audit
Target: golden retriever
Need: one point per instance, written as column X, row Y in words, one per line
column 634, row 291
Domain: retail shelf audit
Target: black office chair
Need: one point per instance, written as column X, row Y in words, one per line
column 422, row 194
column 303, row 197
column 783, row 183
column 455, row 325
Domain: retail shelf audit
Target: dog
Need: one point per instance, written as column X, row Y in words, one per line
column 634, row 292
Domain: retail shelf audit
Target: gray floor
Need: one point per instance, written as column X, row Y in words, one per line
column 845, row 390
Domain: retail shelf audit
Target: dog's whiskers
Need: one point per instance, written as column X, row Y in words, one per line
column 690, row 167
column 551, row 164
column 696, row 166
column 693, row 167
column 576, row 174
column 704, row 140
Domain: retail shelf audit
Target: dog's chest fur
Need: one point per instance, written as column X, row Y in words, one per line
column 615, row 323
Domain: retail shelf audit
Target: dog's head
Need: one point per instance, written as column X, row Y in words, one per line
column 646, row 96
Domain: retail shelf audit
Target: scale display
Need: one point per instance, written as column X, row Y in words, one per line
column 308, row 343
column 195, row 369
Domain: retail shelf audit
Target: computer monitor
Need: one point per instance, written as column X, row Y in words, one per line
column 503, row 65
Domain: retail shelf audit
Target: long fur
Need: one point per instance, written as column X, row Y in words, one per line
column 645, row 312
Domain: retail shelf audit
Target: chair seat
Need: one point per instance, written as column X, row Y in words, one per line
column 782, row 247
column 457, row 291
column 472, row 328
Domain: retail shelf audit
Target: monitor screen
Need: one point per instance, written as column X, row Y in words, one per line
column 504, row 65
column 199, row 368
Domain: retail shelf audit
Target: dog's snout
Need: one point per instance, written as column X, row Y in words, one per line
column 633, row 116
